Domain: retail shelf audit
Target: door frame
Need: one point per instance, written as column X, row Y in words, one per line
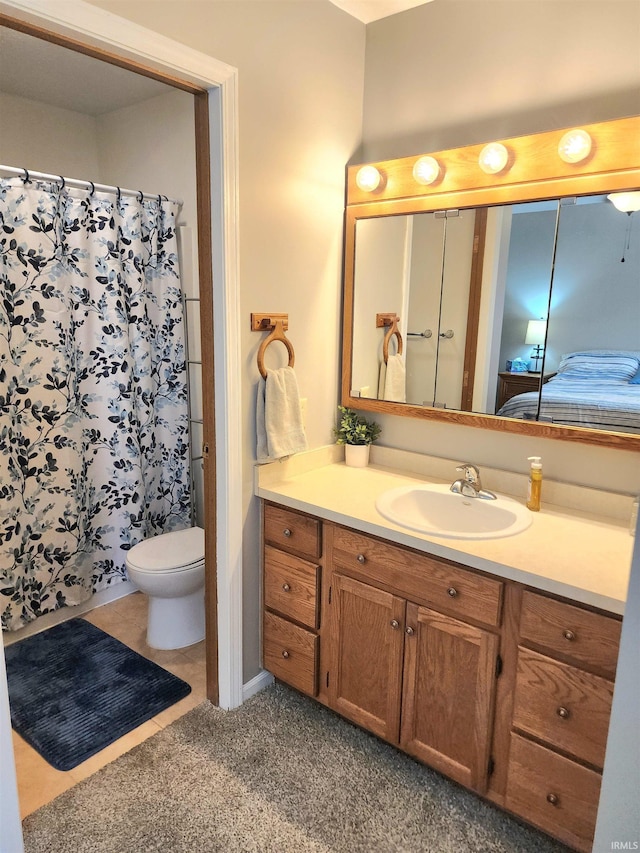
column 214, row 84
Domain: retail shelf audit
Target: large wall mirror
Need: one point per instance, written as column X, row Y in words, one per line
column 506, row 300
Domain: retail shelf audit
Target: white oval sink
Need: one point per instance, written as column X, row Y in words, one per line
column 432, row 508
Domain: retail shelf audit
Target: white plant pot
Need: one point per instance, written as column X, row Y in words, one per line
column 356, row 455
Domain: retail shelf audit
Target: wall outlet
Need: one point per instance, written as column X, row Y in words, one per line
column 303, row 411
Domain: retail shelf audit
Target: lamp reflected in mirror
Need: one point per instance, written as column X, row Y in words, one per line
column 536, row 330
column 625, row 202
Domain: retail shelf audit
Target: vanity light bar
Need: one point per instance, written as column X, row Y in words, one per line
column 574, row 147
column 594, row 149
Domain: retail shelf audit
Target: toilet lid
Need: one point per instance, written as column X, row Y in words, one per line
column 180, row 549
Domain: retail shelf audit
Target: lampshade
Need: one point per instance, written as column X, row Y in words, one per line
column 626, row 202
column 536, row 330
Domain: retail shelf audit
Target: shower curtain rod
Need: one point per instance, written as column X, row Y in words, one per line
column 27, row 175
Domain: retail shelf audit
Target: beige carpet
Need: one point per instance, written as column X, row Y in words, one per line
column 282, row 774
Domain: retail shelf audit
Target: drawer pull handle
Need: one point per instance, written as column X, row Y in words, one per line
column 553, row 799
column 563, row 712
column 409, row 630
column 286, row 587
column 395, row 623
column 569, row 635
column 361, row 558
column 285, row 654
column 287, row 532
column 452, row 591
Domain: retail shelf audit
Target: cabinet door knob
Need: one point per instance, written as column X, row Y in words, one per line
column 452, row 591
column 409, row 630
column 361, row 558
column 287, row 532
column 553, row 799
column 395, row 623
column 286, row 587
column 563, row 712
column 285, row 653
column 569, row 635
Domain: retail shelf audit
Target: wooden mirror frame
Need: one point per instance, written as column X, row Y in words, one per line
column 534, row 172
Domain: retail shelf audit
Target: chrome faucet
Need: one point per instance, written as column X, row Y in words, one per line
column 470, row 485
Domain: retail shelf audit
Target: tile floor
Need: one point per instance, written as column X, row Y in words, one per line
column 125, row 619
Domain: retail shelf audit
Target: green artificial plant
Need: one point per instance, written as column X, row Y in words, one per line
column 352, row 428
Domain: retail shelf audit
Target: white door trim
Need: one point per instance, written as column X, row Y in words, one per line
column 93, row 26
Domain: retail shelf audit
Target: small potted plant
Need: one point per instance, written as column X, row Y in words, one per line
column 357, row 434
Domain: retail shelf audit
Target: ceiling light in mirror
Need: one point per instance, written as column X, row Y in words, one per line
column 575, row 146
column 368, row 179
column 625, row 202
column 426, row 170
column 493, row 158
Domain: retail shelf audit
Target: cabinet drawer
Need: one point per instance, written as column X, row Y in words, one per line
column 563, row 706
column 553, row 792
column 587, row 638
column 290, row 653
column 292, row 531
column 291, row 586
column 443, row 585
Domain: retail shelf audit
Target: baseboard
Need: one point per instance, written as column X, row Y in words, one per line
column 105, row 596
column 258, row 683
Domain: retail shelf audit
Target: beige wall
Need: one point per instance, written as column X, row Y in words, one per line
column 300, row 68
column 459, row 72
column 47, row 139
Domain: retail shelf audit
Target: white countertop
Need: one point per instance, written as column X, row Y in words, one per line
column 582, row 555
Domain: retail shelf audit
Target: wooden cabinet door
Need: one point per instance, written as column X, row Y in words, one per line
column 366, row 674
column 448, row 695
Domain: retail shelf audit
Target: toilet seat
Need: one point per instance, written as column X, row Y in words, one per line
column 177, row 551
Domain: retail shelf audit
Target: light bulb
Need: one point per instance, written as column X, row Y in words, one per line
column 426, row 170
column 368, row 179
column 574, row 146
column 493, row 158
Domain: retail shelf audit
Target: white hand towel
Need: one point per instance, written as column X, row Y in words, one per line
column 382, row 376
column 279, row 428
column 395, row 385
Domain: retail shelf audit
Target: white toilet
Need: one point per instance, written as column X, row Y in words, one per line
column 169, row 568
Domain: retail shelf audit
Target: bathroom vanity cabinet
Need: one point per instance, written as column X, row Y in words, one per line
column 500, row 687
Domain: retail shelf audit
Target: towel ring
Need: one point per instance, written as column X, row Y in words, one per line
column 277, row 334
column 393, row 330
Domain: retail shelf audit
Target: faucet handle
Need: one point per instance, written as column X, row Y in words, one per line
column 471, row 473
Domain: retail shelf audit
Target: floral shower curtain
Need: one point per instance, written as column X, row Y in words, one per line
column 93, row 399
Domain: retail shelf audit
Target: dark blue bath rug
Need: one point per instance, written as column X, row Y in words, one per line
column 73, row 690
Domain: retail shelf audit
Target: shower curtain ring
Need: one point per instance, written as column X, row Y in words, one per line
column 63, row 183
column 26, row 179
column 140, row 196
column 118, row 194
column 93, row 188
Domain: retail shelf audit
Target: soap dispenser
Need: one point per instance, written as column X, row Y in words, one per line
column 535, row 483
